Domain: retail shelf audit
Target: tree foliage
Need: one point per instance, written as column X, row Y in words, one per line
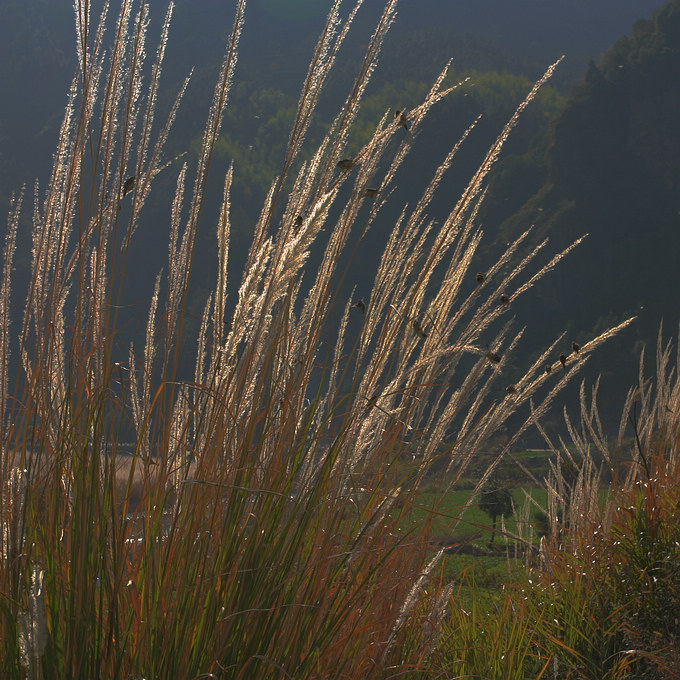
column 496, row 501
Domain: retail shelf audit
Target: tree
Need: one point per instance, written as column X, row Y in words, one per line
column 495, row 501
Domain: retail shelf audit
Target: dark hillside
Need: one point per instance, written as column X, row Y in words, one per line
column 612, row 169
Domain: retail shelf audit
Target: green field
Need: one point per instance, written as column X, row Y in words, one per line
column 450, row 520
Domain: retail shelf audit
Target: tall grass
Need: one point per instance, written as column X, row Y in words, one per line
column 608, row 582
column 255, row 530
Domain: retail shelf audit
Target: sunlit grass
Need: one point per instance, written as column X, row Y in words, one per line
column 264, row 523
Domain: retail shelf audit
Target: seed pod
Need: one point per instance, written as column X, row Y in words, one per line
column 129, row 184
column 401, row 119
column 346, row 164
column 419, row 329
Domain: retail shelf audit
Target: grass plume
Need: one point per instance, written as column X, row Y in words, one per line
column 254, row 531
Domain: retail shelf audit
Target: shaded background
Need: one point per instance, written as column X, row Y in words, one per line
column 597, row 152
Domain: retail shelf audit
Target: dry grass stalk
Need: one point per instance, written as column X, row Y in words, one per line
column 263, row 496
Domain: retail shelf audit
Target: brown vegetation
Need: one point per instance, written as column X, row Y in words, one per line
column 257, row 557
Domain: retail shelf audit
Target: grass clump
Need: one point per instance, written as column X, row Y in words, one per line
column 493, row 637
column 608, row 582
column 255, row 530
column 599, row 598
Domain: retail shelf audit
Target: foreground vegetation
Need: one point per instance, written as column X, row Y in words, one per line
column 262, row 524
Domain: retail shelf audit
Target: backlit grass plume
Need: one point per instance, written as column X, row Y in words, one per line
column 254, row 531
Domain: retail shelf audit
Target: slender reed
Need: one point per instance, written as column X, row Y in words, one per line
column 255, row 529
